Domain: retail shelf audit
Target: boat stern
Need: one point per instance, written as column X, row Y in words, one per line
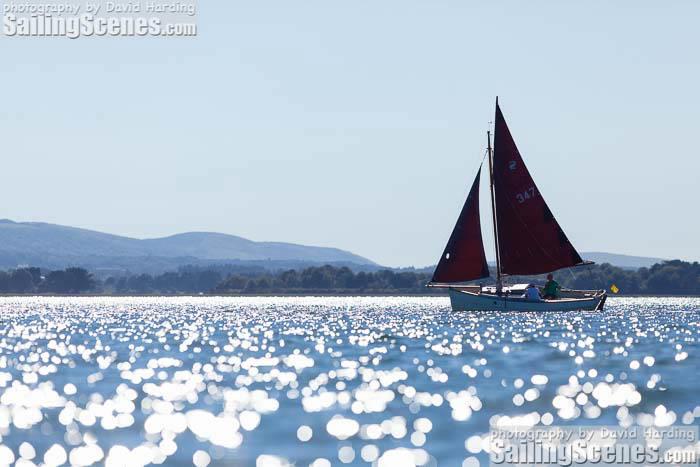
column 601, row 303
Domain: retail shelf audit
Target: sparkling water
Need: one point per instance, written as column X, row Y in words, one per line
column 389, row 381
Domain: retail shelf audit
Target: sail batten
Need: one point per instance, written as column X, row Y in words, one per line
column 530, row 240
column 464, row 258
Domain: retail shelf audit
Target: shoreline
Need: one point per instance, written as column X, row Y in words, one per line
column 310, row 294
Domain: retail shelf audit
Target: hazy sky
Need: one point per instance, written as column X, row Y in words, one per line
column 360, row 124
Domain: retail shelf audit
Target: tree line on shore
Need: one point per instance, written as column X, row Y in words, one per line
column 667, row 278
column 33, row 280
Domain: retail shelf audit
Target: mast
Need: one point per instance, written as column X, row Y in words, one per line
column 499, row 282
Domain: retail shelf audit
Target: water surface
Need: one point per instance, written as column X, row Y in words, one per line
column 326, row 381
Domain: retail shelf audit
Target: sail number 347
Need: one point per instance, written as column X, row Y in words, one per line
column 525, row 195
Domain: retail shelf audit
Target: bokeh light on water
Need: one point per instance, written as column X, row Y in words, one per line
column 326, row 381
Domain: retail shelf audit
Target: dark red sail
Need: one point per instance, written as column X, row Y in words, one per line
column 464, row 258
column 529, row 238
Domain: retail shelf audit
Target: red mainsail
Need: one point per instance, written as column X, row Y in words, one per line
column 464, row 258
column 530, row 239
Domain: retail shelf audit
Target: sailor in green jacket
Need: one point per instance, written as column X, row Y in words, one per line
column 551, row 288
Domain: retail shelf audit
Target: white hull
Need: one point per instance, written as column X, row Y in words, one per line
column 463, row 300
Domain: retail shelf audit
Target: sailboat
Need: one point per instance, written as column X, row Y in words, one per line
column 528, row 240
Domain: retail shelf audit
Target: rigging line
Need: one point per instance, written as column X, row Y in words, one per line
column 590, row 272
column 486, row 153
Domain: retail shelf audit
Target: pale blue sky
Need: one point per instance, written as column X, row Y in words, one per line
column 360, row 124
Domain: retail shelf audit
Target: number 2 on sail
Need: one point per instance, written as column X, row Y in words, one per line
column 525, row 195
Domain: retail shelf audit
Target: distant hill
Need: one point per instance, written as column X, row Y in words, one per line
column 57, row 246
column 621, row 261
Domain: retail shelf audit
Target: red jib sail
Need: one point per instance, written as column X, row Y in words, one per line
column 529, row 238
column 464, row 258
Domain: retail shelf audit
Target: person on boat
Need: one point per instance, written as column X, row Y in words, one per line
column 532, row 294
column 551, row 288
